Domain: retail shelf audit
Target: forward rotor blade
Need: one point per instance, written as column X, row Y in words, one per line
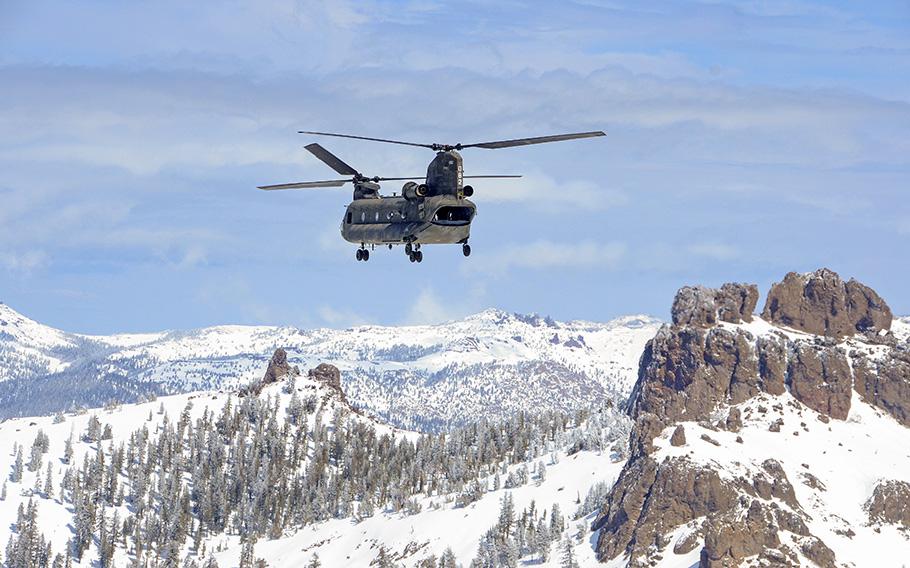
column 430, row 146
column 331, row 160
column 535, row 140
column 493, row 176
column 306, row 184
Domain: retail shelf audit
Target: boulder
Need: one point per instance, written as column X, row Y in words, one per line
column 679, row 436
column 823, row 304
column 278, row 368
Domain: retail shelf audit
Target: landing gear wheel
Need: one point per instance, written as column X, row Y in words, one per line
column 366, row 255
column 418, row 256
column 408, row 249
column 466, row 249
column 412, row 257
column 359, row 254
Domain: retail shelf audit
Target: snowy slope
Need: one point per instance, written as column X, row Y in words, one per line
column 489, row 364
column 847, row 457
column 408, row 538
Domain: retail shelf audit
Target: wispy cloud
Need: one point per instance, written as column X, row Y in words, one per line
column 544, row 255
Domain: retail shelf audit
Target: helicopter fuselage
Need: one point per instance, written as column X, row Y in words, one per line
column 438, row 219
column 436, row 212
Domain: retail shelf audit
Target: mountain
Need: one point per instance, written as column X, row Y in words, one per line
column 778, row 440
column 289, row 471
column 428, row 377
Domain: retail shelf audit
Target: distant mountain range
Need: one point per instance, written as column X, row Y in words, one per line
column 421, row 377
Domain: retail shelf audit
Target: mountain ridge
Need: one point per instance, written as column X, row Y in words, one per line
column 421, row 377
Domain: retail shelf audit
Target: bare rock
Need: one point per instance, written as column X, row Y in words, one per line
column 890, row 503
column 736, row 302
column 329, row 375
column 818, row 552
column 279, row 368
column 885, row 383
column 820, row 378
column 823, row 304
column 703, row 307
column 734, row 420
column 772, row 363
column 695, row 306
column 649, row 500
column 710, row 440
column 679, row 436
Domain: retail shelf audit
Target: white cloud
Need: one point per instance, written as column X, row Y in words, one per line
column 715, row 251
column 23, row 262
column 341, row 317
column 542, row 254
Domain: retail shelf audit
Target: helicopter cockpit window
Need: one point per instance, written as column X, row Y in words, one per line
column 350, row 217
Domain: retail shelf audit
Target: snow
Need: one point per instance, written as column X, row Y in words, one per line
column 347, row 543
column 338, row 542
column 410, row 374
column 849, row 457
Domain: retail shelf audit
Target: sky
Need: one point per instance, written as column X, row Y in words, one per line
column 744, row 140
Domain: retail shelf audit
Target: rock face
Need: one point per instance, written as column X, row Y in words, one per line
column 330, row 376
column 702, row 307
column 885, row 383
column 279, row 368
column 823, row 304
column 890, row 503
column 694, row 369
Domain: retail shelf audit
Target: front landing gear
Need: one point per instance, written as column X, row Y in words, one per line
column 363, row 254
column 466, row 249
column 413, row 251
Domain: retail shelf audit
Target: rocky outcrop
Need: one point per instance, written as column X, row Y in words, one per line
column 890, row 503
column 885, row 382
column 703, row 307
column 820, row 378
column 279, row 368
column 330, row 376
column 695, row 369
column 823, row 304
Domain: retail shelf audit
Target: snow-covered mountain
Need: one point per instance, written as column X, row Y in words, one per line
column 428, row 377
column 115, row 471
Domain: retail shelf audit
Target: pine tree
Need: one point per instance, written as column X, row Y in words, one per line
column 16, row 475
column 447, row 560
column 49, row 481
column 314, row 561
column 568, row 555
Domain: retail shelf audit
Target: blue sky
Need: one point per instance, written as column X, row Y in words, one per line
column 744, row 140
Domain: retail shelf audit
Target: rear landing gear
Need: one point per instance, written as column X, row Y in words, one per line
column 416, row 256
column 413, row 251
column 363, row 254
column 466, row 249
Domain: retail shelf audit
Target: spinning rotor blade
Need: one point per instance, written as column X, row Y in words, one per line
column 493, row 176
column 365, row 138
column 331, row 160
column 535, row 140
column 306, row 184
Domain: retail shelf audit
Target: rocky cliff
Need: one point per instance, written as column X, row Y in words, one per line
column 758, row 441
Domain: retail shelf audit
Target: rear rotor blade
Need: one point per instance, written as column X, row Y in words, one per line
column 535, row 140
column 365, row 138
column 306, row 184
column 331, row 160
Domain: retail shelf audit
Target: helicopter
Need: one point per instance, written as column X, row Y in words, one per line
column 431, row 209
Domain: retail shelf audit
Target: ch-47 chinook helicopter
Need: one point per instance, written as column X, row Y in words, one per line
column 434, row 211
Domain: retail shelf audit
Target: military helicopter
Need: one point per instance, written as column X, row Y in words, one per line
column 432, row 209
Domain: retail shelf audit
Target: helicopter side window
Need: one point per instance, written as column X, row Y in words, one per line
column 350, row 217
column 363, row 217
column 377, row 216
